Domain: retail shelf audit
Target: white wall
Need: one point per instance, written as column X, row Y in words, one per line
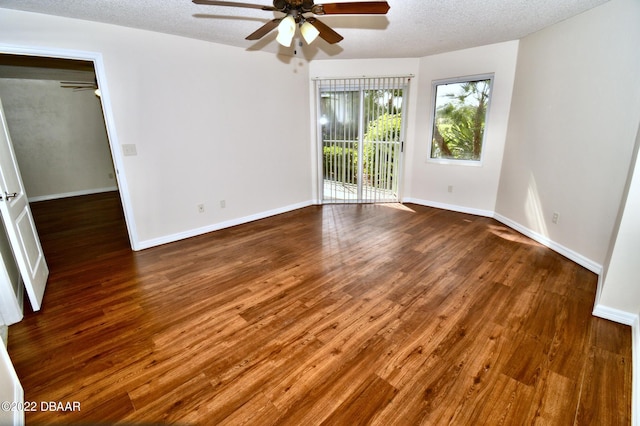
column 474, row 187
column 424, row 182
column 209, row 123
column 213, row 123
column 560, row 135
column 620, row 284
column 574, row 116
column 59, row 138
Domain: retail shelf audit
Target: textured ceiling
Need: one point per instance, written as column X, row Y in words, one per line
column 412, row 28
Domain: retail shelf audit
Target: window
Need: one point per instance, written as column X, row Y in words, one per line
column 459, row 116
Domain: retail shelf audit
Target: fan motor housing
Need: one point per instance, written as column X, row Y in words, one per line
column 280, row 4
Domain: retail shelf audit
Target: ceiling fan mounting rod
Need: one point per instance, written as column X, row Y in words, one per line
column 288, row 6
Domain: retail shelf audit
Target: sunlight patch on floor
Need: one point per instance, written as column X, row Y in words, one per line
column 397, row 206
column 510, row 235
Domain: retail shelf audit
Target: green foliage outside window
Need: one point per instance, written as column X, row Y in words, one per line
column 381, row 149
column 459, row 122
column 379, row 112
column 340, row 163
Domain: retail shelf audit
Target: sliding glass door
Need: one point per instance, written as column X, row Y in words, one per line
column 361, row 134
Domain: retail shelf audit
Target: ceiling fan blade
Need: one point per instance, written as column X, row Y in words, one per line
column 326, row 32
column 78, row 85
column 264, row 30
column 352, row 8
column 234, row 4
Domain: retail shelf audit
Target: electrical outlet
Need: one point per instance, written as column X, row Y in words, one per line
column 200, row 208
column 450, row 188
column 223, row 204
column 555, row 217
column 129, row 150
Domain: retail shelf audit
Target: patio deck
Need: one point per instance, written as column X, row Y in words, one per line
column 340, row 192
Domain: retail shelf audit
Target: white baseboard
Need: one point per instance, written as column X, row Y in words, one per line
column 217, row 226
column 614, row 315
column 568, row 253
column 581, row 260
column 452, row 207
column 72, row 194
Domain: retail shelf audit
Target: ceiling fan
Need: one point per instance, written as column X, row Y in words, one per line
column 301, row 13
column 78, row 86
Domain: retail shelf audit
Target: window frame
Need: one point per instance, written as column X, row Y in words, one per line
column 432, row 117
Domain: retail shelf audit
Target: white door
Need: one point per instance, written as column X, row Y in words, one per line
column 10, row 284
column 11, row 392
column 18, row 221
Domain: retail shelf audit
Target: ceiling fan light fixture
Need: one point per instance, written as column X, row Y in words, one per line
column 296, row 12
column 309, row 32
column 286, row 31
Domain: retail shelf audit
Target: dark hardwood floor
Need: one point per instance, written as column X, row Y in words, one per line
column 334, row 315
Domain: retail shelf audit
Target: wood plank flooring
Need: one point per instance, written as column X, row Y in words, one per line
column 335, row 315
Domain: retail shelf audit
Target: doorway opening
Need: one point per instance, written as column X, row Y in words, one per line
column 361, row 138
column 79, row 154
column 60, row 147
